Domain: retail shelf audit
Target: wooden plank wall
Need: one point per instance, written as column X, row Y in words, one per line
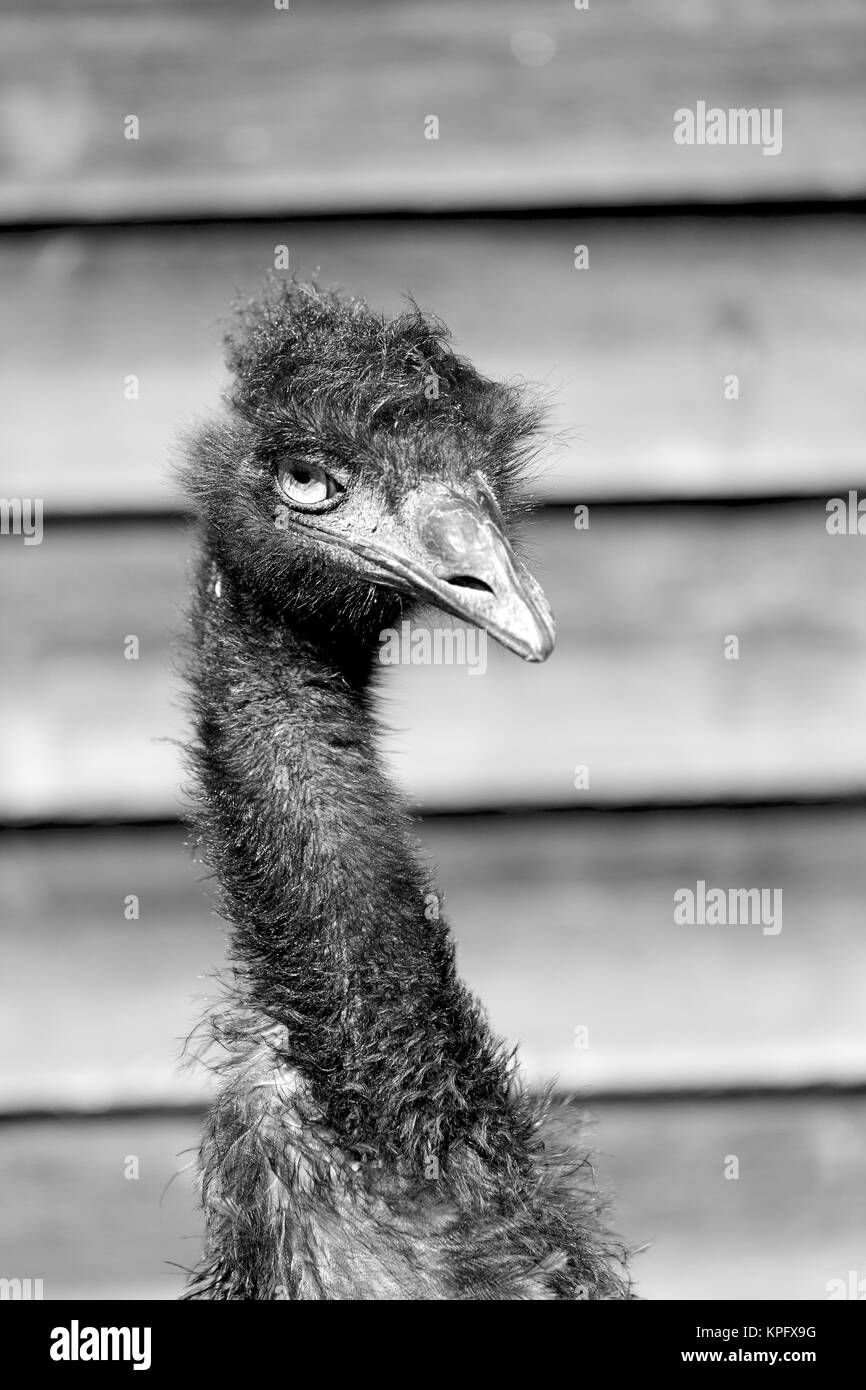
column 707, row 519
column 640, row 691
column 322, row 107
column 631, row 354
column 784, row 1230
column 579, row 907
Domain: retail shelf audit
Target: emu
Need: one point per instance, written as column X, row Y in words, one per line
column 370, row 1138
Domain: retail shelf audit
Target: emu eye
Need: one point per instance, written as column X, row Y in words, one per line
column 306, row 485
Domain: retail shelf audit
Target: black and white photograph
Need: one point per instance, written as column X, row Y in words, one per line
column 433, row 691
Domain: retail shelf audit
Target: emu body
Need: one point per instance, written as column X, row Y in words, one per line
column 370, row 1139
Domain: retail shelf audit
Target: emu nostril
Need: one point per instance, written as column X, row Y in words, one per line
column 468, row 581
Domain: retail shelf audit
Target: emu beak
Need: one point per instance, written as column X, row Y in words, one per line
column 452, row 550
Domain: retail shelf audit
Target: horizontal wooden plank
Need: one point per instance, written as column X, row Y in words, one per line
column 323, row 108
column 792, row 1222
column 562, row 923
column 632, row 353
column 639, row 691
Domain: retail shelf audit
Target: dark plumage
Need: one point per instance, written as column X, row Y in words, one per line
column 369, row 1139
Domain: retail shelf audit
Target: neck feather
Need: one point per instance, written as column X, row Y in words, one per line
column 337, row 933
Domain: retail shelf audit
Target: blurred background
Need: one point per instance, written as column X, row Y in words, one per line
column 565, row 805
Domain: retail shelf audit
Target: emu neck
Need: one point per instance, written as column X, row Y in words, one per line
column 337, row 931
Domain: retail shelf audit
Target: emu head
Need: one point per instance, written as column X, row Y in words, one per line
column 364, row 464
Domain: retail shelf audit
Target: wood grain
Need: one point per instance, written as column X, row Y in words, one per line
column 632, row 353
column 638, row 692
column 322, row 108
column 794, row 1220
column 562, row 923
